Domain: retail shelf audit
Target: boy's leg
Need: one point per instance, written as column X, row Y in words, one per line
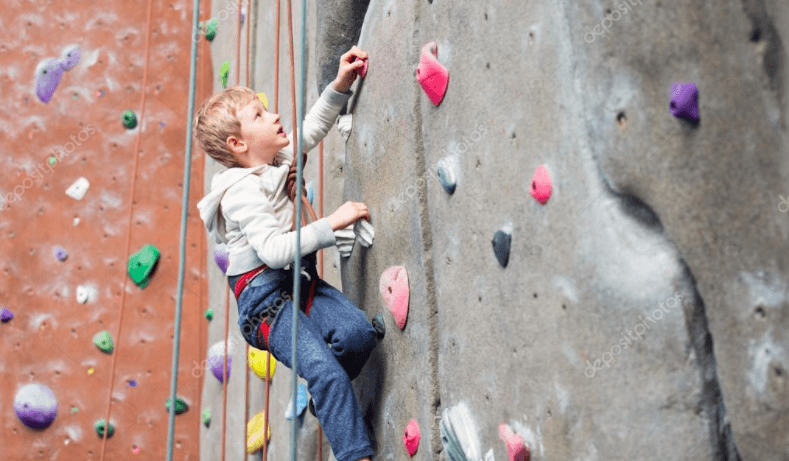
column 327, row 382
column 344, row 326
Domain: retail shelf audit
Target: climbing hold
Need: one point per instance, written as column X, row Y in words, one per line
column 446, row 174
column 53, row 160
column 76, row 222
column 411, row 437
column 541, row 185
column 210, row 30
column 161, row 125
column 48, row 75
column 61, row 254
column 394, row 289
column 103, row 340
column 99, row 426
column 209, row 314
column 129, row 119
column 362, row 71
column 36, row 406
column 501, row 245
column 90, row 370
column 301, row 403
column 364, row 232
column 433, row 77
column 78, row 189
column 100, row 93
column 6, row 315
column 257, row 361
column 344, row 123
column 224, row 71
column 255, row 439
column 264, row 99
column 516, row 450
column 180, row 405
column 82, row 294
column 207, row 417
column 216, row 359
column 70, row 57
column 458, row 435
column 684, row 101
column 133, row 383
column 243, row 17
column 310, row 192
column 142, row 264
column 221, row 257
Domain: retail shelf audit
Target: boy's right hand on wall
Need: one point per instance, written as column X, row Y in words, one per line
column 347, row 214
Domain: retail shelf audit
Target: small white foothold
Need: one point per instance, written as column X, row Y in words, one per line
column 78, row 190
column 76, row 222
column 82, row 294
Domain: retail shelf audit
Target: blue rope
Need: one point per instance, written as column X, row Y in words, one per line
column 297, row 258
column 182, row 251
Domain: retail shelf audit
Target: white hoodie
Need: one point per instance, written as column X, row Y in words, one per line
column 256, row 215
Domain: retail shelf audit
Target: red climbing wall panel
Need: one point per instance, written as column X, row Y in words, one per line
column 49, row 341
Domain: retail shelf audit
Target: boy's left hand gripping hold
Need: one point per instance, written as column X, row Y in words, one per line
column 348, row 69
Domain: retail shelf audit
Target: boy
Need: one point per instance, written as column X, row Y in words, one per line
column 255, row 219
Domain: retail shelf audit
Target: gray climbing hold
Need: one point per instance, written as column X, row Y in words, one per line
column 6, row 315
column 501, row 246
column 36, row 406
column 103, row 340
column 446, row 174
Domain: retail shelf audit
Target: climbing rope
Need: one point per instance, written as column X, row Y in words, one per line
column 105, row 432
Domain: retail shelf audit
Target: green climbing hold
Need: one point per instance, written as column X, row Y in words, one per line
column 180, row 406
column 129, row 119
column 209, row 314
column 53, row 160
column 207, row 417
column 99, row 426
column 210, row 31
column 142, row 264
column 224, row 71
column 103, row 341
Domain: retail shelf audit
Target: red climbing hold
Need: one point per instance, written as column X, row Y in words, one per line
column 516, row 450
column 394, row 289
column 433, row 77
column 362, row 71
column 411, row 437
column 541, row 185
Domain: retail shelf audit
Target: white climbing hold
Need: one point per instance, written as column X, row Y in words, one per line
column 344, row 124
column 82, row 294
column 78, row 190
column 76, row 222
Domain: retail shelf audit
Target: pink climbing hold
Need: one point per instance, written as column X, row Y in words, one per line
column 516, row 450
column 541, row 185
column 433, row 77
column 362, row 71
column 394, row 289
column 411, row 437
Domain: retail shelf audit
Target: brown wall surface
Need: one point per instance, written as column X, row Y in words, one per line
column 49, row 341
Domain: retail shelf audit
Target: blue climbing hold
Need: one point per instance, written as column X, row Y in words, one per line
column 501, row 246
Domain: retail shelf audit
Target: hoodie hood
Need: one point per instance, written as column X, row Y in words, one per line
column 209, row 205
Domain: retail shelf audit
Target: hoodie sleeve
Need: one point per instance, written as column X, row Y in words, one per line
column 317, row 122
column 247, row 205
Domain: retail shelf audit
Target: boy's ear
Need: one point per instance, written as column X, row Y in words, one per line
column 236, row 145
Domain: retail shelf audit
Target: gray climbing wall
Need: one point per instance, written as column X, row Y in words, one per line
column 642, row 312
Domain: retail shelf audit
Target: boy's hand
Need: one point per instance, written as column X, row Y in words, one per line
column 347, row 72
column 347, row 214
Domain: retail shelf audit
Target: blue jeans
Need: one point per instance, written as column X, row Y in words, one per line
column 333, row 319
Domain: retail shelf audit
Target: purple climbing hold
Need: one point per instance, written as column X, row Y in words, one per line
column 48, row 74
column 61, row 254
column 216, row 359
column 221, row 257
column 6, row 315
column 684, row 101
column 70, row 57
column 133, row 383
column 36, row 406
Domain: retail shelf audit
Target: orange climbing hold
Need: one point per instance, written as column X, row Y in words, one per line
column 433, row 77
column 394, row 289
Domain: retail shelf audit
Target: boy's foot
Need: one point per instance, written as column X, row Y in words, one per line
column 380, row 326
column 312, row 407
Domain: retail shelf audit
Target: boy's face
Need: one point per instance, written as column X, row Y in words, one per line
column 261, row 136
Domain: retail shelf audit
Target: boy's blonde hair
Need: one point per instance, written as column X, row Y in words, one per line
column 217, row 119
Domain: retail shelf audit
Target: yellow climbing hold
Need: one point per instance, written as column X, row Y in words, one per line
column 255, row 432
column 257, row 361
column 263, row 99
column 90, row 370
